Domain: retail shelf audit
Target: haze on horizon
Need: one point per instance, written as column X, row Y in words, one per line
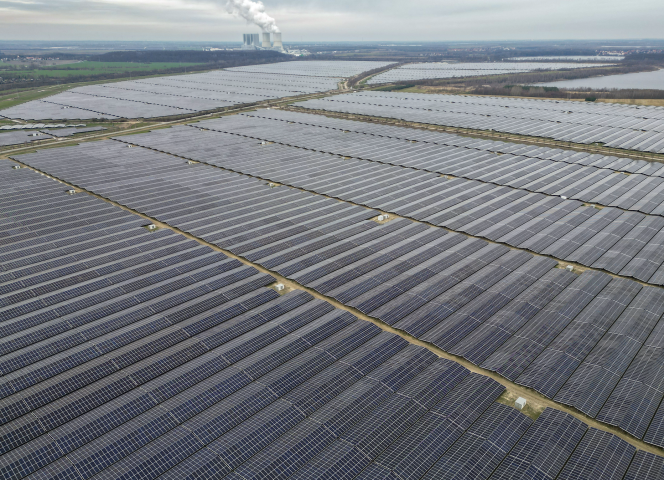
column 320, row 20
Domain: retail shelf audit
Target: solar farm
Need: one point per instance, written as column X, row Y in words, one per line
column 314, row 68
column 422, row 71
column 277, row 293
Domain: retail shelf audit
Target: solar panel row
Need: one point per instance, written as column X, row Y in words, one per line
column 570, row 337
column 421, row 71
column 622, row 242
column 25, row 137
column 17, row 138
column 33, row 126
column 315, row 68
column 68, row 132
column 645, row 465
column 614, row 125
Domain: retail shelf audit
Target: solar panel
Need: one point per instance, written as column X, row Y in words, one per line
column 599, row 455
column 544, row 449
column 480, row 450
column 644, row 465
column 551, row 369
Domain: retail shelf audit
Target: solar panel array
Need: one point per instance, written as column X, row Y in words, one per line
column 17, row 138
column 569, row 176
column 32, row 126
column 137, row 354
column 588, row 58
column 645, row 465
column 187, row 94
column 68, row 132
column 422, row 71
column 625, row 165
column 559, row 447
column 628, row 243
column 254, row 385
column 624, row 126
column 314, row 68
column 505, row 310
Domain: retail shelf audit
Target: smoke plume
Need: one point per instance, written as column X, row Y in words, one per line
column 253, row 11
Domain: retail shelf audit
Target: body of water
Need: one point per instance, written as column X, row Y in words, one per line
column 583, row 58
column 642, row 80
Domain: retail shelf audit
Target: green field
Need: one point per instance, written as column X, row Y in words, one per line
column 87, row 69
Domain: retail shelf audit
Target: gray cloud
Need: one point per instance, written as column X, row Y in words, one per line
column 433, row 20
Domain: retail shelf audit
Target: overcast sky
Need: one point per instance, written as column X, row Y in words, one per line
column 329, row 20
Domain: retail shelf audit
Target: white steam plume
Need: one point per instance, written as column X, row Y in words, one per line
column 253, row 11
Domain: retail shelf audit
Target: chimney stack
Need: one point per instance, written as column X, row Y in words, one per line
column 251, row 41
column 277, row 41
column 266, row 40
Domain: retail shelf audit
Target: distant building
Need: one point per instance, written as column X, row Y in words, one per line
column 251, row 41
column 298, row 53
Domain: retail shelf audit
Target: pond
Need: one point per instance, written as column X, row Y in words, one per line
column 584, row 58
column 642, row 80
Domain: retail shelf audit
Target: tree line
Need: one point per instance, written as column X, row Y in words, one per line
column 570, row 93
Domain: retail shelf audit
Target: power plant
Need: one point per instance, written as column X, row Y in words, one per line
column 252, row 41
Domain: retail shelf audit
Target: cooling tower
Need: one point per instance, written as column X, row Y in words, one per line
column 266, row 40
column 277, row 41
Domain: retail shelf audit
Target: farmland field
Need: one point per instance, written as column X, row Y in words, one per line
column 92, row 68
